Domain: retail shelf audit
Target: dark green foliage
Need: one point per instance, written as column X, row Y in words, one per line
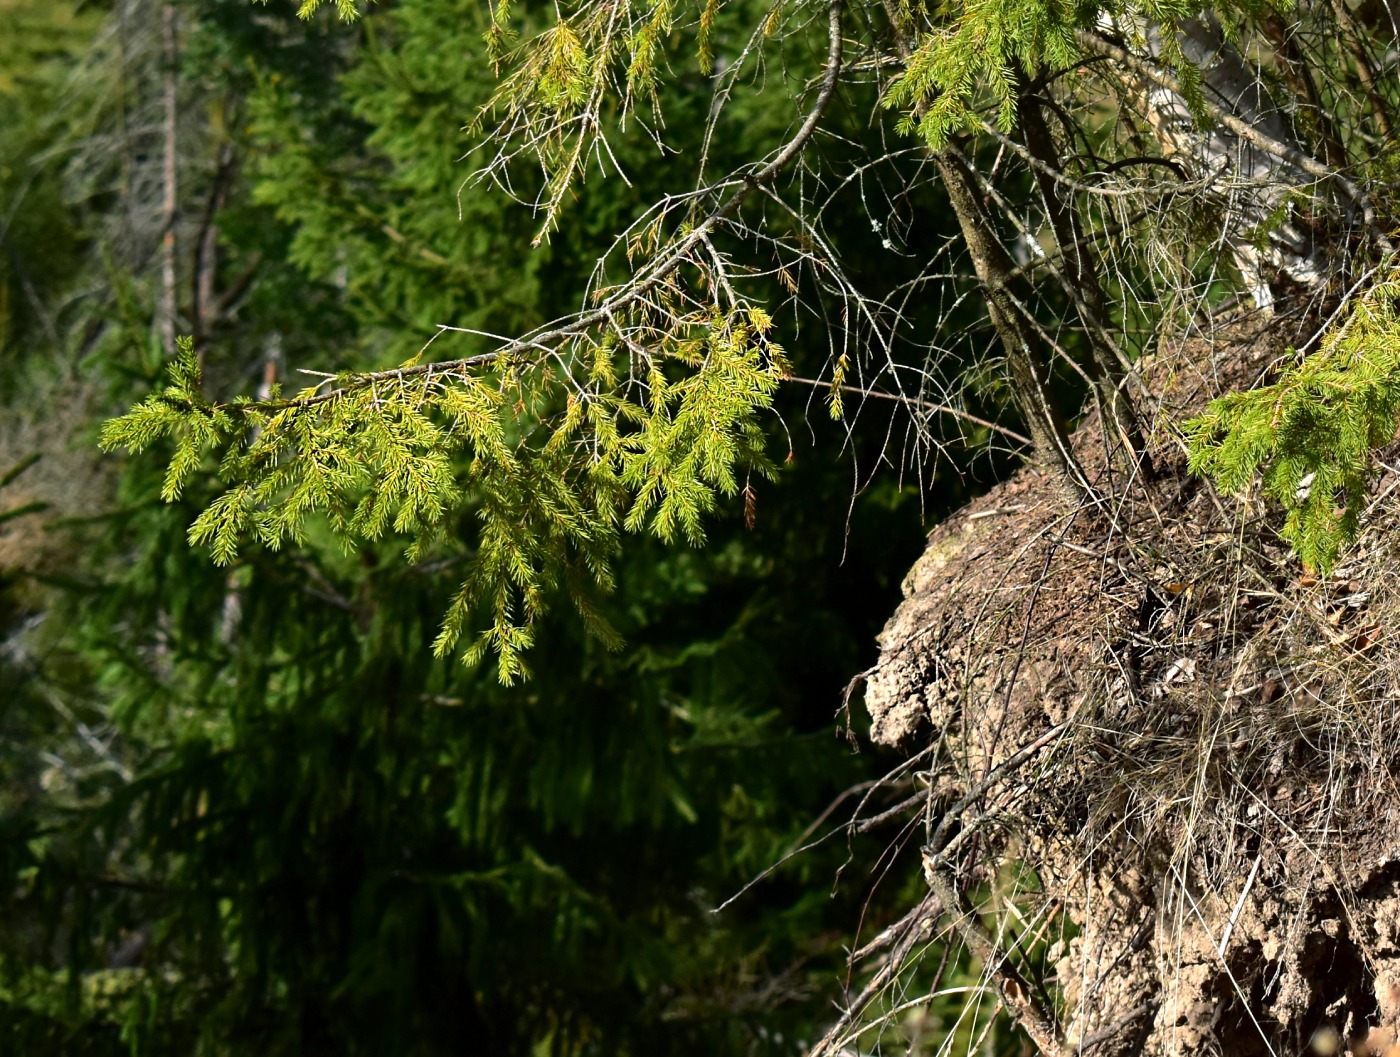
column 336, row 847
column 296, row 829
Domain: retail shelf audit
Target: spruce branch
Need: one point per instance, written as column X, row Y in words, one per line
column 546, row 339
column 1313, row 433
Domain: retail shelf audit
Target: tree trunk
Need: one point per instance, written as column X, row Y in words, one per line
column 1108, row 367
column 1007, row 307
column 1007, row 302
column 166, row 313
column 1247, row 184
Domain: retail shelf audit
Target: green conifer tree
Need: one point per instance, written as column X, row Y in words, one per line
column 321, row 839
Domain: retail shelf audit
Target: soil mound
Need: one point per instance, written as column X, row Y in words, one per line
column 1186, row 737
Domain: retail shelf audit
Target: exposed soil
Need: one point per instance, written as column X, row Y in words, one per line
column 1217, row 813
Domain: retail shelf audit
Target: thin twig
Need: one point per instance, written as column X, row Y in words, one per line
column 923, row 405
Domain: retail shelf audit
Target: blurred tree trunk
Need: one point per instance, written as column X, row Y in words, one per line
column 169, row 301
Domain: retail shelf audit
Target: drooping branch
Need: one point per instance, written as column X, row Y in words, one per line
column 1029, row 366
column 918, row 925
column 544, row 340
column 917, row 404
column 1014, row 990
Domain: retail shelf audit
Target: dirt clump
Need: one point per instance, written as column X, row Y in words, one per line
column 1212, row 816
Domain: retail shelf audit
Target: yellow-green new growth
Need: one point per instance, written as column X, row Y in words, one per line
column 552, row 468
column 348, row 10
column 1313, row 433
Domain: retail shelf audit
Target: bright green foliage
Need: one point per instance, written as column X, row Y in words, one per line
column 1313, row 432
column 976, row 54
column 977, row 47
column 562, row 89
column 348, row 10
column 401, row 451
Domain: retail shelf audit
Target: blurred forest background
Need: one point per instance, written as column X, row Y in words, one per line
column 244, row 811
